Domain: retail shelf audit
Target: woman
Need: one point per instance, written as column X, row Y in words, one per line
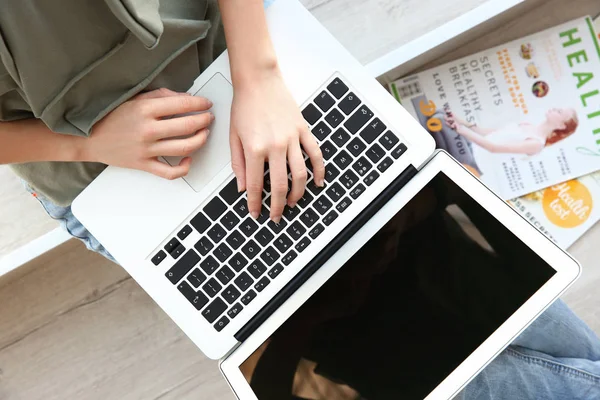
column 523, row 138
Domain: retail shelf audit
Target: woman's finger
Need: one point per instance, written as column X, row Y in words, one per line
column 159, row 93
column 167, row 171
column 279, row 183
column 255, row 169
column 180, row 147
column 299, row 174
column 174, row 105
column 238, row 163
column 316, row 157
column 181, row 126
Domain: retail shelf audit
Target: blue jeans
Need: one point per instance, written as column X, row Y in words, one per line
column 557, row 357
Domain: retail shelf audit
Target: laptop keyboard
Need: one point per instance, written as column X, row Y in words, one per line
column 237, row 257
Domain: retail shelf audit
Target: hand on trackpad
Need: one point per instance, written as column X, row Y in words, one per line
column 215, row 154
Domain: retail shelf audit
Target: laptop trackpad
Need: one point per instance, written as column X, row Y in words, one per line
column 215, row 154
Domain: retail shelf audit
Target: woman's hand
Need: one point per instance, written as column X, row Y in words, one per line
column 267, row 126
column 136, row 133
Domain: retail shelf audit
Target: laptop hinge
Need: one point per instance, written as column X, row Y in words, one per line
column 325, row 254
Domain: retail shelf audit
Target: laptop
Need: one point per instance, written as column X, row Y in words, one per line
column 233, row 284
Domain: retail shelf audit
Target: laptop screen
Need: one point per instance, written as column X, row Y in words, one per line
column 406, row 310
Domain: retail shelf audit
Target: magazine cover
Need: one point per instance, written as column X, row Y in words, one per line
column 523, row 116
column 563, row 212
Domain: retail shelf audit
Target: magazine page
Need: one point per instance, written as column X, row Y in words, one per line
column 563, row 212
column 522, row 116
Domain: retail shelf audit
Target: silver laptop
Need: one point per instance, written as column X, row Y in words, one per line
column 231, row 282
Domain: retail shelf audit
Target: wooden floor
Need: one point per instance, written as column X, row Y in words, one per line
column 75, row 326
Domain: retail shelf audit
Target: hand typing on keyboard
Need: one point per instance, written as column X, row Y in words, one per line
column 266, row 126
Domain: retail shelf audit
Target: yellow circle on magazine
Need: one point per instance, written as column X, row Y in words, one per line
column 568, row 204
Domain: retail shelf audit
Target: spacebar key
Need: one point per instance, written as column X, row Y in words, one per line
column 183, row 266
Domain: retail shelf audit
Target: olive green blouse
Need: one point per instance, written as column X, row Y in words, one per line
column 71, row 62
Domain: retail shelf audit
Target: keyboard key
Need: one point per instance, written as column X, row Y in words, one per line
column 324, row 101
column 309, row 217
column 235, row 239
column 196, row 278
column 214, row 309
column 263, row 283
column 343, row 205
column 375, row 153
column 321, row 131
column 224, row 275
column 388, row 140
column 235, row 310
column 322, row 204
column 289, row 257
column 283, row 243
column 357, row 191
column 209, row 265
column 290, row 213
column 183, row 266
column 348, row 179
column 349, row 103
column 331, row 172
column 275, row 271
column 238, row 262
column 372, row 177
column 264, row 215
column 200, row 223
column 303, row 244
column 172, row 245
column 328, row 150
column 248, row 297
column 342, row 160
column 241, row 208
column 335, row 192
column 373, row 130
column 337, row 88
column 306, row 199
column 198, row 299
column 251, row 249
column 362, row 166
column 230, row 220
column 269, row 255
column 296, row 230
column 398, row 151
column 316, row 231
column 329, row 218
column 217, row 233
column 264, row 236
column 311, row 114
column 212, row 287
column 340, row 137
column 314, row 189
column 257, row 268
column 178, row 251
column 215, row 208
column 244, row 281
column 222, row 252
column 385, row 164
column 231, row 294
column 221, row 324
column 334, row 118
column 157, row 259
column 358, row 119
column 230, row 192
column 248, row 227
column 184, row 232
column 204, row 246
column 277, row 228
column 356, row 146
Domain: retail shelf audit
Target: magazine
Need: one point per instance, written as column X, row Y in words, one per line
column 523, row 116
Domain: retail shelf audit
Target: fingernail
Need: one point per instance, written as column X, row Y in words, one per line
column 212, row 116
column 320, row 183
column 277, row 220
column 207, row 131
column 239, row 186
column 291, row 205
column 210, row 103
column 254, row 214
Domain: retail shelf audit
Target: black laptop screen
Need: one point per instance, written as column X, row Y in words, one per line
column 406, row 310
